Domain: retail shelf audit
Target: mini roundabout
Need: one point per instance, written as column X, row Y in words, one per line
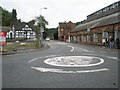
column 71, row 64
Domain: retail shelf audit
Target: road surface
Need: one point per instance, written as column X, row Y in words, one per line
column 63, row 65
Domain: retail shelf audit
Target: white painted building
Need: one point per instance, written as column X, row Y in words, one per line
column 21, row 30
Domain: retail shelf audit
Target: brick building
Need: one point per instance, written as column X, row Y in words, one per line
column 98, row 26
column 64, row 30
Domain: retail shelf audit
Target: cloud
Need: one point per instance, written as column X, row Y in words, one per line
column 58, row 10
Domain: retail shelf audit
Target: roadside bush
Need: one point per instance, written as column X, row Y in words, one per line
column 16, row 46
column 10, row 40
column 9, row 48
column 37, row 43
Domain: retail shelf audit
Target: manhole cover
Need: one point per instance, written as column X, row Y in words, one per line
column 74, row 61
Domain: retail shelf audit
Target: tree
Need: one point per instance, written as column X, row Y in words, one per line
column 6, row 17
column 14, row 15
column 32, row 22
column 41, row 23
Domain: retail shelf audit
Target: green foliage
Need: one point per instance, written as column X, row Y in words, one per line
column 53, row 33
column 32, row 22
column 41, row 22
column 16, row 39
column 14, row 15
column 6, row 17
column 78, row 23
column 10, row 47
column 37, row 43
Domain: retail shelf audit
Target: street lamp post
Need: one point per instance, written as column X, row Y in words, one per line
column 41, row 27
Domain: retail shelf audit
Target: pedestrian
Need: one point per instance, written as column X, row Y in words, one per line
column 103, row 42
column 111, row 42
column 106, row 41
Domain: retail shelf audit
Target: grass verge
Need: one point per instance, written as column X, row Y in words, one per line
column 16, row 46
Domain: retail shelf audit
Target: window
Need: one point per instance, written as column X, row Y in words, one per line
column 104, row 10
column 107, row 8
column 111, row 6
column 61, row 29
column 23, row 29
column 88, row 38
column 116, row 4
column 95, row 36
column 28, row 33
column 78, row 38
column 117, row 34
column 74, row 38
column 33, row 33
column 16, row 32
column 105, row 35
column 83, row 38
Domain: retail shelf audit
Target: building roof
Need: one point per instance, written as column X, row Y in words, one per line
column 106, row 10
column 5, row 28
column 20, row 25
column 107, row 20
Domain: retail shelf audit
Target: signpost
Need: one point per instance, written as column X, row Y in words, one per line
column 2, row 38
column 2, row 42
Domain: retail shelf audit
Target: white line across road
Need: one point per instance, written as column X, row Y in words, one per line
column 84, row 49
column 65, row 71
column 113, row 58
column 71, row 47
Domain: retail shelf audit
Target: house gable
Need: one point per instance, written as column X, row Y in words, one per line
column 27, row 28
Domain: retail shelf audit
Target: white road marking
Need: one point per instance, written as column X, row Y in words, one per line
column 42, row 57
column 84, row 50
column 115, row 58
column 34, row 59
column 64, row 71
column 74, row 61
column 71, row 47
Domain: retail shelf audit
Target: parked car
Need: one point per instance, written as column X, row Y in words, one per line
column 47, row 39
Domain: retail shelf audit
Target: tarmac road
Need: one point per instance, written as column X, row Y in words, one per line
column 63, row 65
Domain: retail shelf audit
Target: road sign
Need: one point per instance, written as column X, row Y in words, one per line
column 2, row 38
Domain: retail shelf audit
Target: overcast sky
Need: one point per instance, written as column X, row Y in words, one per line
column 57, row 10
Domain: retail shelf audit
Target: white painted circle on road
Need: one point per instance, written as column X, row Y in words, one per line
column 74, row 61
